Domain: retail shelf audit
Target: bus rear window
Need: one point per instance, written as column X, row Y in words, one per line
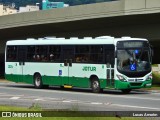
column 11, row 53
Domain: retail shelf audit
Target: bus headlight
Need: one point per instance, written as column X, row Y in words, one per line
column 121, row 78
column 149, row 77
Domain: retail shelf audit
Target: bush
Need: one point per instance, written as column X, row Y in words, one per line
column 156, row 78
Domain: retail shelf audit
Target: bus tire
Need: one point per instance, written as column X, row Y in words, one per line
column 38, row 81
column 126, row 91
column 95, row 85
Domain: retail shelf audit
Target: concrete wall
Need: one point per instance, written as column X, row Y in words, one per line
column 134, row 4
column 90, row 11
column 73, row 13
column 99, row 10
column 141, row 6
column 2, row 46
column 1, row 9
column 152, row 3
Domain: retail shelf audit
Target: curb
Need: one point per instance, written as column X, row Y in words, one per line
column 142, row 90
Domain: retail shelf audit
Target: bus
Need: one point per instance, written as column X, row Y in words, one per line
column 98, row 63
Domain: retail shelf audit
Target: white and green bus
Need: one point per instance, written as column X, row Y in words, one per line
column 98, row 63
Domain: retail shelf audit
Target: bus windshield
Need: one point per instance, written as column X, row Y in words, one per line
column 133, row 60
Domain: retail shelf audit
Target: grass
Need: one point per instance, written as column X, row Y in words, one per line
column 36, row 108
column 79, row 118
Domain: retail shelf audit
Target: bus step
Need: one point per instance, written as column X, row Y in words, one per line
column 67, row 86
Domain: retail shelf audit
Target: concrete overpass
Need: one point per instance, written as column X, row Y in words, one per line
column 135, row 18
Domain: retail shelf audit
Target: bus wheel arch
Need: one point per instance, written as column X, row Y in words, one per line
column 95, row 84
column 37, row 80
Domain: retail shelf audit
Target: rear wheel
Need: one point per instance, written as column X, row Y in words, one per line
column 95, row 85
column 126, row 91
column 38, row 81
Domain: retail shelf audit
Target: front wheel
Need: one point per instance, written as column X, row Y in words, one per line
column 95, row 85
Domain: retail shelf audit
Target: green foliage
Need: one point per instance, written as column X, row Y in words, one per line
column 36, row 107
column 155, row 65
column 156, row 78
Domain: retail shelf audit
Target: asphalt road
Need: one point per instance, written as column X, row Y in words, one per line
column 77, row 99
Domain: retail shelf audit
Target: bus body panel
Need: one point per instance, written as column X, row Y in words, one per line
column 57, row 74
column 76, row 74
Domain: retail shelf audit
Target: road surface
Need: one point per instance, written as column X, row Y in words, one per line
column 77, row 99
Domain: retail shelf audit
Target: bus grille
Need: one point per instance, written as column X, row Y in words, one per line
column 135, row 80
column 135, row 84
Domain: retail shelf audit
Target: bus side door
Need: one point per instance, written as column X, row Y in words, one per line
column 109, row 60
column 21, row 62
column 68, row 56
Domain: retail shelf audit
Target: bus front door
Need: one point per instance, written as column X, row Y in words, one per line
column 68, row 55
column 109, row 59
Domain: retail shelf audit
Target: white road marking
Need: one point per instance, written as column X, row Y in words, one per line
column 135, row 106
column 96, row 103
column 107, row 103
column 14, row 98
column 38, row 99
column 66, row 101
column 9, row 95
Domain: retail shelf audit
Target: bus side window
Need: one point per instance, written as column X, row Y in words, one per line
column 54, row 53
column 81, row 53
column 31, row 53
column 96, row 53
column 11, row 53
column 43, row 50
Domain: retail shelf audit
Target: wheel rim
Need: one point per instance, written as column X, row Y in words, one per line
column 95, row 85
column 38, row 81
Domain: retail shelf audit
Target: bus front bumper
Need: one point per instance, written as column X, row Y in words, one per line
column 132, row 85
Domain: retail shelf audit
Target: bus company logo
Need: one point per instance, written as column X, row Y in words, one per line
column 10, row 66
column 136, row 80
column 6, row 114
column 21, row 114
column 88, row 68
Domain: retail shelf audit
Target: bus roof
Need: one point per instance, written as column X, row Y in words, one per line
column 72, row 41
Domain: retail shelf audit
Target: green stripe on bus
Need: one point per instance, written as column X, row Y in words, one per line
column 55, row 80
column 78, row 82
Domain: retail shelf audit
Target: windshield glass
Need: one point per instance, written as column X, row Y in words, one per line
column 133, row 60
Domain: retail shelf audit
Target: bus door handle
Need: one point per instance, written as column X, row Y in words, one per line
column 65, row 62
column 70, row 62
column 21, row 63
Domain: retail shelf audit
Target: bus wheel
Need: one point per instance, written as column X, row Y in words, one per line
column 38, row 81
column 95, row 85
column 126, row 91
